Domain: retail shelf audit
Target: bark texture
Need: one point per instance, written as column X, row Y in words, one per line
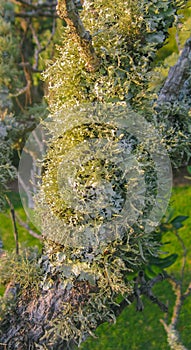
column 35, row 321
column 177, row 77
column 28, row 327
column 67, row 10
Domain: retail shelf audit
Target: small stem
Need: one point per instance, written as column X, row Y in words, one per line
column 178, row 304
column 173, row 337
column 26, row 226
column 187, row 293
column 13, row 219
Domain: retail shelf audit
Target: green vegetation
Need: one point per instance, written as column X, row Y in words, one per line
column 6, row 228
column 26, row 241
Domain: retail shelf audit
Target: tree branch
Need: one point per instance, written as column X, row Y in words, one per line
column 13, row 219
column 33, row 318
column 178, row 303
column 30, row 231
column 187, row 293
column 177, row 76
column 36, row 14
column 67, row 10
column 173, row 336
column 39, row 48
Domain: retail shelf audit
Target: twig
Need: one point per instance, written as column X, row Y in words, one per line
column 27, row 227
column 36, row 14
column 187, row 293
column 117, row 309
column 143, row 287
column 19, row 104
column 178, row 303
column 173, row 335
column 40, row 48
column 13, row 219
column 20, row 92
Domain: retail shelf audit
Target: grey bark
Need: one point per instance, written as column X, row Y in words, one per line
column 177, row 77
column 29, row 325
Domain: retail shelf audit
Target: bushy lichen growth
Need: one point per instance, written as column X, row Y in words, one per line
column 93, row 284
column 99, row 187
column 126, row 36
column 22, row 269
column 82, row 193
column 173, row 120
column 20, row 275
column 100, row 179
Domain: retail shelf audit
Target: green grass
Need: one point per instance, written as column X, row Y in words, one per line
column 133, row 330
column 6, row 227
column 181, row 205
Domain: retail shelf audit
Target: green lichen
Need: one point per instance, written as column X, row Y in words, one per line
column 93, row 163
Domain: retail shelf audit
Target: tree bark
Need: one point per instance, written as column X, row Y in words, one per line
column 28, row 327
column 178, row 74
column 30, row 324
column 67, row 10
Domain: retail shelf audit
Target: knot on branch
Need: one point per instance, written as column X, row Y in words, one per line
column 143, row 287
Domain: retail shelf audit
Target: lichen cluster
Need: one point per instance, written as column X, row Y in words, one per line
column 99, row 188
column 102, row 174
column 84, row 174
column 126, row 36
